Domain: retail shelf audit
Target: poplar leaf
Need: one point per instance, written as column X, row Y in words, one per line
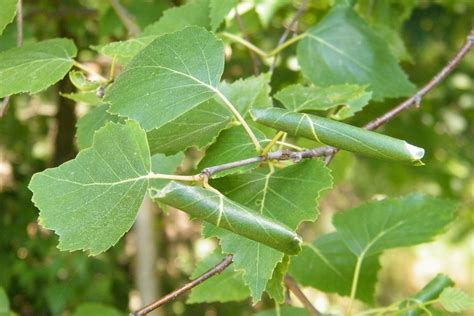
column 375, row 226
column 219, row 10
column 173, row 19
column 34, row 67
column 92, row 200
column 224, row 287
column 342, row 48
column 231, row 145
column 87, row 125
column 215, row 208
column 171, row 76
column 362, row 234
column 289, row 195
column 350, row 98
column 7, row 13
column 340, row 135
column 327, row 264
column 455, row 300
column 201, row 125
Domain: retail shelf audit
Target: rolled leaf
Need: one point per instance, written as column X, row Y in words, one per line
column 339, row 134
column 220, row 211
column 430, row 292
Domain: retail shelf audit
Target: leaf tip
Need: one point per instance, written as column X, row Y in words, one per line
column 415, row 152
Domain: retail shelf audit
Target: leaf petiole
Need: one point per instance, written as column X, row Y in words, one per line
column 89, row 71
column 245, row 43
column 289, row 42
column 239, row 117
column 274, row 140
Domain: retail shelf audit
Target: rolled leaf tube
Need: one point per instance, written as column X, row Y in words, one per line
column 340, row 135
column 430, row 292
column 220, row 211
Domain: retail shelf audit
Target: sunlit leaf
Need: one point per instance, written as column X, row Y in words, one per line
column 92, row 200
column 342, row 48
column 171, row 76
column 34, row 67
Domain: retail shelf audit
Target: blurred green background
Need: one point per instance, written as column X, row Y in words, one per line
column 38, row 132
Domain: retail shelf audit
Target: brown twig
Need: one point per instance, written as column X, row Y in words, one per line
column 253, row 56
column 328, row 152
column 19, row 41
column 290, row 28
column 295, row 289
column 171, row 296
column 125, row 17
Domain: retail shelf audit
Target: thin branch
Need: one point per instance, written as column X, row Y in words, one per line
column 19, row 41
column 416, row 99
column 19, row 23
column 294, row 288
column 125, row 17
column 188, row 286
column 253, row 56
column 290, row 27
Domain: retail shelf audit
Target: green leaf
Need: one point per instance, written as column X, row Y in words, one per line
column 34, row 67
column 124, row 51
column 87, row 125
column 174, row 19
column 92, row 200
column 215, row 208
column 171, row 76
column 96, row 309
column 276, row 194
column 231, row 145
column 197, row 127
column 429, row 292
column 4, row 303
column 201, row 125
column 342, row 48
column 285, row 311
column 219, row 10
column 7, row 13
column 328, row 265
column 339, row 134
column 249, row 93
column 80, row 81
column 276, row 286
column 87, row 97
column 224, row 287
column 177, row 18
column 375, row 226
column 351, row 98
column 455, row 300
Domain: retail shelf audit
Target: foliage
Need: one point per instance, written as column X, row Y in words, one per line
column 179, row 100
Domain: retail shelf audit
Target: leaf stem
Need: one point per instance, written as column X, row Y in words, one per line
column 245, row 43
column 196, row 177
column 274, row 140
column 88, row 70
column 239, row 117
column 355, row 281
column 289, row 42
